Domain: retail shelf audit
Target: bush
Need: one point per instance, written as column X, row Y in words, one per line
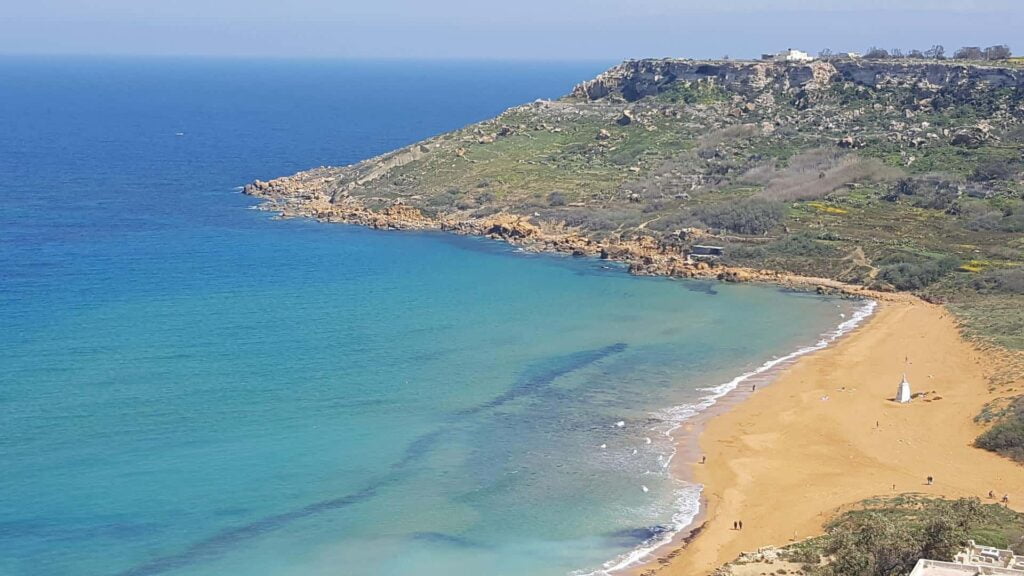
column 556, row 199
column 1007, row 436
column 802, row 246
column 993, row 169
column 877, row 543
column 934, row 192
column 753, row 216
column 998, row 52
column 917, row 275
column 588, row 220
column 1008, row 217
column 874, row 53
column 1000, row 282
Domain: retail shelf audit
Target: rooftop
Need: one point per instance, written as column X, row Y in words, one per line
column 937, row 568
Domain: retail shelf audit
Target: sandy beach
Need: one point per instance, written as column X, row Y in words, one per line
column 826, row 434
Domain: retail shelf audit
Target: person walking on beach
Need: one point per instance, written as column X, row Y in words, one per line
column 703, row 459
column 1006, row 499
column 991, row 495
column 735, row 525
column 741, row 524
column 930, row 480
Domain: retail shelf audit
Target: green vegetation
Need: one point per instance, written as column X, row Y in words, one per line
column 693, row 93
column 751, row 216
column 1007, row 436
column 886, row 537
column 917, row 275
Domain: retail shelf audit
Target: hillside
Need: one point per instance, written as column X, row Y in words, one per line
column 893, row 175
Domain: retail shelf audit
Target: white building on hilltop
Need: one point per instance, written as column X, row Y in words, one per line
column 903, row 391
column 791, row 55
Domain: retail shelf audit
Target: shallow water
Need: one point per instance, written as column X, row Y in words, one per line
column 188, row 387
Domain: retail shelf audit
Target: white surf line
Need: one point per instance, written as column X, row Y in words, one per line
column 688, row 497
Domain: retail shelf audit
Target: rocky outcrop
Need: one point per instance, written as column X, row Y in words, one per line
column 306, row 195
column 636, row 79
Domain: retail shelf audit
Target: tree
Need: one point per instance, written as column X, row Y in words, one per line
column 946, row 532
column 875, row 53
column 969, row 53
column 937, row 52
column 916, row 55
column 998, row 52
column 825, row 53
column 896, row 53
column 874, row 543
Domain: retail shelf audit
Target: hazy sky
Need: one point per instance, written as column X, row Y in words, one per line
column 519, row 29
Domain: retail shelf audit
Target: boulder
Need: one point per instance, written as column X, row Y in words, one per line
column 968, row 139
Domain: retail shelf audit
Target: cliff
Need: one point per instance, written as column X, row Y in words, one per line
column 636, row 79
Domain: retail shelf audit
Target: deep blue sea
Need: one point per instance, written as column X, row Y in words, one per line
column 190, row 387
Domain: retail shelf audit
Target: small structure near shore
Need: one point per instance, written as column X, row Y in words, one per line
column 707, row 251
column 903, row 391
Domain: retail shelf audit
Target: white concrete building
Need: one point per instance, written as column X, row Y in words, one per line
column 974, row 561
column 936, row 568
column 978, row 555
column 792, row 55
column 903, row 391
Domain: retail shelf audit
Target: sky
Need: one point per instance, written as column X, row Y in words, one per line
column 506, row 29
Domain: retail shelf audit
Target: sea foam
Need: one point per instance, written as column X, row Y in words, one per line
column 687, row 497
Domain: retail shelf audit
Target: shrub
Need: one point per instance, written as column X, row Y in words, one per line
column 877, row 543
column 874, row 53
column 753, row 216
column 969, row 53
column 817, row 173
column 998, row 52
column 588, row 220
column 1007, row 436
column 802, row 246
column 1000, row 282
column 917, row 275
column 992, row 169
column 556, row 199
column 934, row 192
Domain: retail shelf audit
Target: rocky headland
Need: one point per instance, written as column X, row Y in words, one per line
column 841, row 175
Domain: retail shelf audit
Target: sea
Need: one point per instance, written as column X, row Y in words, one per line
column 191, row 387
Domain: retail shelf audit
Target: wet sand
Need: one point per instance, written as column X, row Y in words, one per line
column 827, row 434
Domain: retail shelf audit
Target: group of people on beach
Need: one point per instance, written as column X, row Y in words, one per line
column 1005, row 499
column 737, row 525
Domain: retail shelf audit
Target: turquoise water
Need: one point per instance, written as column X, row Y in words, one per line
column 188, row 387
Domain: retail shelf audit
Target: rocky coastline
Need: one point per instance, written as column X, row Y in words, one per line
column 307, row 195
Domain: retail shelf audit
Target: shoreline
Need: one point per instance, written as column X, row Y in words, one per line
column 303, row 196
column 824, row 435
column 694, row 419
column 721, row 429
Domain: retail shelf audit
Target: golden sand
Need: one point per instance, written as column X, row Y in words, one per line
column 826, row 434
